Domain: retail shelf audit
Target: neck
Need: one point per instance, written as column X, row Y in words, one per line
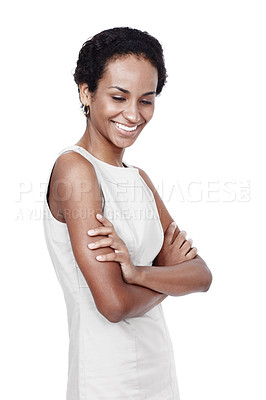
column 101, row 148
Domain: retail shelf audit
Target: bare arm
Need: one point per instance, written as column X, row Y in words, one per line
column 175, row 280
column 178, row 271
column 78, row 200
column 188, row 275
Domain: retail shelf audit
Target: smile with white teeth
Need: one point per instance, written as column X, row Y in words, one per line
column 126, row 128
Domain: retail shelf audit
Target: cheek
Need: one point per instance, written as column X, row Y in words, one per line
column 108, row 111
column 149, row 113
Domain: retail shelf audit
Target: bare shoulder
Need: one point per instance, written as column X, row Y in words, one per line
column 73, row 165
column 73, row 180
column 73, row 172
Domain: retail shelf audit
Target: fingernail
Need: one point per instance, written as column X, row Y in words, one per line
column 174, row 224
column 99, row 216
column 100, row 258
column 91, row 232
column 91, row 245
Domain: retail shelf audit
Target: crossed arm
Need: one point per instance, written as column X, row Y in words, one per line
column 178, row 269
column 115, row 296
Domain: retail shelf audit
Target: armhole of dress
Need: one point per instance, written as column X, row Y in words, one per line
column 48, row 187
column 68, row 150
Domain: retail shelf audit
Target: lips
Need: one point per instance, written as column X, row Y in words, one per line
column 125, row 128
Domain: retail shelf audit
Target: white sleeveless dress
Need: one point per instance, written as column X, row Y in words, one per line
column 131, row 359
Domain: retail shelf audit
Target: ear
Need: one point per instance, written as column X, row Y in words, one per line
column 84, row 94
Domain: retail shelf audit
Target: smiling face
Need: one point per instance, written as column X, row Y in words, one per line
column 123, row 103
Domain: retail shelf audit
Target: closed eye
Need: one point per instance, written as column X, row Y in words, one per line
column 118, row 98
column 121, row 99
column 146, row 102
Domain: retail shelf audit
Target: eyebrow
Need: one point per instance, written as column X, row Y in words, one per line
column 127, row 91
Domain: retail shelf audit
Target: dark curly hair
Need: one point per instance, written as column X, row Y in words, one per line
column 109, row 45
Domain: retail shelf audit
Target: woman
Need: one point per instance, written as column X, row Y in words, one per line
column 116, row 250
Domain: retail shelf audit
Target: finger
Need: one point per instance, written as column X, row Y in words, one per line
column 106, row 223
column 105, row 242
column 121, row 256
column 103, row 220
column 192, row 253
column 118, row 256
column 186, row 246
column 101, row 230
column 181, row 238
column 107, row 257
column 190, row 241
column 169, row 233
column 175, row 234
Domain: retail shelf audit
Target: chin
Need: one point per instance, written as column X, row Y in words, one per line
column 123, row 143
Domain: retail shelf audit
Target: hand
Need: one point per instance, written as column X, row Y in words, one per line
column 176, row 249
column 120, row 253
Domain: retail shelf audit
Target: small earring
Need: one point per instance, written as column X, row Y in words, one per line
column 86, row 111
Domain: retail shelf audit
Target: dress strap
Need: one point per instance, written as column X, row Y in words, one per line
column 84, row 153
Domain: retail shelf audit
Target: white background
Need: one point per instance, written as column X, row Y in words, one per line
column 203, row 150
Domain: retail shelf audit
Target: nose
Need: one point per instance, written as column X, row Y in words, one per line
column 131, row 113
